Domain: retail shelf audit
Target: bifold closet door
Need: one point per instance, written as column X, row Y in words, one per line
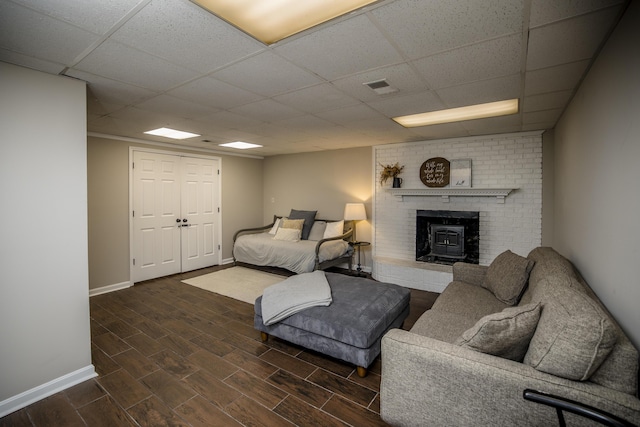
column 175, row 213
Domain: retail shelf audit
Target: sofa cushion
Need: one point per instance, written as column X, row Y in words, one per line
column 505, row 334
column 471, row 301
column 573, row 337
column 507, row 277
column 308, row 217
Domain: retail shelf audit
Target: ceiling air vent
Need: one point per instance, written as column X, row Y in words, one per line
column 381, row 87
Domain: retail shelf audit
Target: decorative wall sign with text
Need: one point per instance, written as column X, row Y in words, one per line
column 435, row 172
column 461, row 173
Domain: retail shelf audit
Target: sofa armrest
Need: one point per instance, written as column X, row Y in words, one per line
column 469, row 273
column 431, row 382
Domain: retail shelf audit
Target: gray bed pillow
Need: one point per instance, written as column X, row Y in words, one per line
column 308, row 216
column 317, row 230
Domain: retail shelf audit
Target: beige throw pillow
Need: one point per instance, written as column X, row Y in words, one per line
column 507, row 277
column 288, row 234
column 574, row 335
column 505, row 334
column 292, row 223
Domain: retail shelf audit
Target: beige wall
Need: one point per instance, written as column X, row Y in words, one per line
column 44, row 298
column 322, row 181
column 108, row 204
column 597, row 199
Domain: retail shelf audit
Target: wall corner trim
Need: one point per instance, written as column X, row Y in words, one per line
column 28, row 397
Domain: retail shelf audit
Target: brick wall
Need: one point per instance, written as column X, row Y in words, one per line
column 497, row 161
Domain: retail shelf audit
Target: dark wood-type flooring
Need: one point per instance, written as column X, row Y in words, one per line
column 171, row 354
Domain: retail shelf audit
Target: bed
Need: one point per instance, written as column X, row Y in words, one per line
column 259, row 246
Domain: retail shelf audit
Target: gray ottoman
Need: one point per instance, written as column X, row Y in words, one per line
column 349, row 329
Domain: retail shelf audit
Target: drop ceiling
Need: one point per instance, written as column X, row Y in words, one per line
column 169, row 63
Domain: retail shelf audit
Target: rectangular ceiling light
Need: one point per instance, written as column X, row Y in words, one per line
column 171, row 133
column 240, row 145
column 471, row 112
column 272, row 20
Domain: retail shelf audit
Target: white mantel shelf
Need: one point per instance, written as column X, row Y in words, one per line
column 445, row 193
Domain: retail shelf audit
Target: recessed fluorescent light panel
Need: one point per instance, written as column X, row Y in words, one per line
column 171, row 133
column 240, row 145
column 273, row 20
column 471, row 112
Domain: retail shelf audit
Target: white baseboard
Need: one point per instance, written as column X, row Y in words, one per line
column 109, row 288
column 28, row 397
column 227, row 261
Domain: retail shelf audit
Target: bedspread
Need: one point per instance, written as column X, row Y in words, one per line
column 299, row 257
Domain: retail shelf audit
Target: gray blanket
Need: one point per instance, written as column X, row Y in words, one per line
column 295, row 294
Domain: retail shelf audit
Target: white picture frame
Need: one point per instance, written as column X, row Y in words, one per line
column 460, row 173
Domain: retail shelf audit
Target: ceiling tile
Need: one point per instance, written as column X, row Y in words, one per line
column 409, row 104
column 547, row 11
column 186, row 35
column 30, row 62
column 326, row 53
column 226, row 119
column 546, row 101
column 25, row 31
column 504, row 124
column 267, row 110
column 119, row 62
column 179, row 107
column 554, row 79
column 214, row 93
column 498, row 89
column 401, row 77
column 316, row 98
column 111, row 91
column 568, row 41
column 422, row 28
column 481, row 61
column 267, row 74
column 542, row 116
column 347, row 115
column 98, row 18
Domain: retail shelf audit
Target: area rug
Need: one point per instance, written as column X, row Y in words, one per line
column 241, row 283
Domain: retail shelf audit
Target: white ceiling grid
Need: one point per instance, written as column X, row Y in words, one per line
column 169, row 63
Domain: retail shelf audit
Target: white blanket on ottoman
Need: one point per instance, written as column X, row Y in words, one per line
column 295, row 294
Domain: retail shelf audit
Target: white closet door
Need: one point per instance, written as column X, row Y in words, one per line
column 156, row 215
column 176, row 214
column 199, row 213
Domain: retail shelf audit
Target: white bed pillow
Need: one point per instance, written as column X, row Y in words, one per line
column 288, row 234
column 275, row 227
column 334, row 229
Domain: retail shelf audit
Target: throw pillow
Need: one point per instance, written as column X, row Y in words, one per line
column 275, row 227
column 292, row 223
column 288, row 234
column 507, row 277
column 317, row 231
column 334, row 229
column 574, row 335
column 308, row 217
column 505, row 334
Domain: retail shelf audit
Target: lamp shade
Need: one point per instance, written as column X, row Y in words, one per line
column 354, row 211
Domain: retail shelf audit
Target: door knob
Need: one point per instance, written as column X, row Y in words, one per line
column 184, row 220
column 178, row 220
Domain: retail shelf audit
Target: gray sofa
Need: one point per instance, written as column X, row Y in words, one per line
column 468, row 360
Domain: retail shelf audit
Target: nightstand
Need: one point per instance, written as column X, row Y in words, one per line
column 358, row 246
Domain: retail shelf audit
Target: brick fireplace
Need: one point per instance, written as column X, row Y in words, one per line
column 514, row 221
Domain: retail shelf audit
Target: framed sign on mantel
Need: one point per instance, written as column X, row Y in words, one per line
column 435, row 172
column 461, row 173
